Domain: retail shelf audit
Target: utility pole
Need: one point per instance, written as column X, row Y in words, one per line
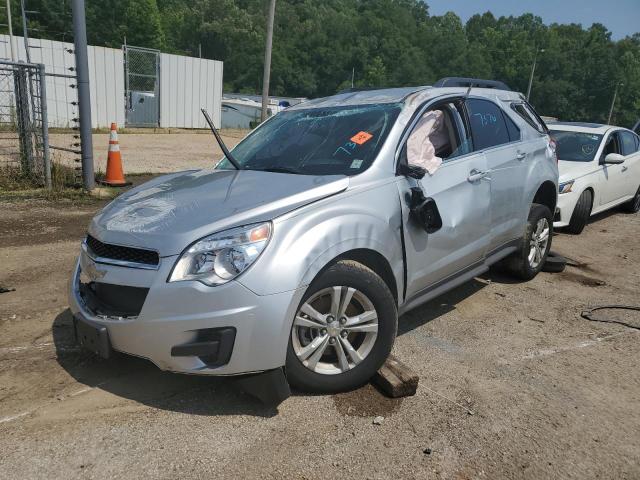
column 613, row 103
column 267, row 60
column 353, row 75
column 13, row 46
column 84, row 102
column 200, row 50
column 533, row 70
column 25, row 33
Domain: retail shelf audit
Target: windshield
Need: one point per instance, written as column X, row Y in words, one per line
column 576, row 146
column 322, row 141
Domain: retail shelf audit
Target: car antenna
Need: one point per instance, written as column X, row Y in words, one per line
column 224, row 148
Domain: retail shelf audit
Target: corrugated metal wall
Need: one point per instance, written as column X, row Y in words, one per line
column 106, row 78
column 186, row 85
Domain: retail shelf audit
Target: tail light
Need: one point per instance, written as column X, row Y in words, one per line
column 552, row 147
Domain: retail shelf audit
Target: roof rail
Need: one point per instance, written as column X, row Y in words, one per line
column 471, row 82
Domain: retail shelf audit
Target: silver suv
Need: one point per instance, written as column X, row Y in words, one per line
column 302, row 247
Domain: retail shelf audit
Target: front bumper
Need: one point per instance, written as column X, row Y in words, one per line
column 566, row 204
column 176, row 315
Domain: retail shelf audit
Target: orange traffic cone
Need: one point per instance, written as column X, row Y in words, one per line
column 115, row 175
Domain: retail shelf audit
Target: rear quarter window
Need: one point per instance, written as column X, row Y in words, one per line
column 528, row 114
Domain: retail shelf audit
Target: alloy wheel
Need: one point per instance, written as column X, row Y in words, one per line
column 539, row 242
column 334, row 330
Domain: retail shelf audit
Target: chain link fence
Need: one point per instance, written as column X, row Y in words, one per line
column 24, row 135
column 142, row 86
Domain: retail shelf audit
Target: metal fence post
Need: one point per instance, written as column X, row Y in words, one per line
column 45, row 127
column 84, row 95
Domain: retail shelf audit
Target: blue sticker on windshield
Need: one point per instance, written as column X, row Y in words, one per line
column 347, row 148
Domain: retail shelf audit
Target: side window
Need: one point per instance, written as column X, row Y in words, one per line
column 488, row 127
column 628, row 141
column 438, row 135
column 527, row 113
column 512, row 128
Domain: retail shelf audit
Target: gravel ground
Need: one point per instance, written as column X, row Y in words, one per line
column 551, row 395
column 157, row 153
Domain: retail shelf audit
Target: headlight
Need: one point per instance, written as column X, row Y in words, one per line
column 565, row 187
column 221, row 257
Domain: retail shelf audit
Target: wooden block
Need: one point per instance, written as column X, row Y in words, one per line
column 396, row 379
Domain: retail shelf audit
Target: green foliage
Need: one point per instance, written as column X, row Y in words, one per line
column 318, row 44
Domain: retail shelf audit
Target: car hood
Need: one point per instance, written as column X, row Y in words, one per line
column 572, row 170
column 170, row 212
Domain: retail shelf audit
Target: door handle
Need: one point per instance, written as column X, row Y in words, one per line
column 475, row 175
column 521, row 155
column 624, row 169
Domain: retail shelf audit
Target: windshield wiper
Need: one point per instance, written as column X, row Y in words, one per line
column 280, row 170
column 224, row 148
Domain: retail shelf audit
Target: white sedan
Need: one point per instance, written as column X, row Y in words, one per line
column 599, row 169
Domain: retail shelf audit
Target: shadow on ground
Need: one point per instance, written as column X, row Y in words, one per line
column 140, row 380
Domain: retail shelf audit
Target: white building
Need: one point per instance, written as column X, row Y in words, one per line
column 171, row 97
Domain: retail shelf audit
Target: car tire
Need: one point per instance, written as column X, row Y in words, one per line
column 328, row 373
column 521, row 264
column 633, row 205
column 554, row 263
column 581, row 213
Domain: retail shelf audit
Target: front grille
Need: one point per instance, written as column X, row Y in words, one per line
column 118, row 252
column 110, row 300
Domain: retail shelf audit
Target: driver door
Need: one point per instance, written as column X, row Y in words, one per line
column 612, row 187
column 462, row 197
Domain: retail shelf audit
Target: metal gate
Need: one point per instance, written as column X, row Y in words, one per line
column 24, row 134
column 142, row 86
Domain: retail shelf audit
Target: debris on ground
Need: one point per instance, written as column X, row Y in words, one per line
column 555, row 263
column 395, row 379
column 378, row 420
column 588, row 314
column 7, row 289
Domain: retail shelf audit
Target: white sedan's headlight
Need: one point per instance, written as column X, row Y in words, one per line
column 565, row 187
column 221, row 257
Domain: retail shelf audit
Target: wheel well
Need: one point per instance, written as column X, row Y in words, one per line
column 547, row 194
column 373, row 260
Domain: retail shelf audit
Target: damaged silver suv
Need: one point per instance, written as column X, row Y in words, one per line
column 301, row 248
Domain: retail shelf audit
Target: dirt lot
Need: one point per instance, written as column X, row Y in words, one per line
column 149, row 152
column 552, row 395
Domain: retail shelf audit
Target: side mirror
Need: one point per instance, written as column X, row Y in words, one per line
column 613, row 159
column 412, row 171
column 424, row 211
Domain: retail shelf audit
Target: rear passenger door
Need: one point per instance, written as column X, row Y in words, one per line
column 495, row 134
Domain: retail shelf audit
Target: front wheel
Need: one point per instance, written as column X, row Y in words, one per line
column 527, row 262
column 581, row 213
column 343, row 331
column 633, row 205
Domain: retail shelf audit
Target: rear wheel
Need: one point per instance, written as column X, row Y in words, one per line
column 343, row 331
column 527, row 262
column 633, row 205
column 581, row 213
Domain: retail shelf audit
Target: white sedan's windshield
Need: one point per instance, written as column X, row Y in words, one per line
column 319, row 141
column 576, row 146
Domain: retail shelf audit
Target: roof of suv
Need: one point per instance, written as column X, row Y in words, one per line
column 395, row 95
